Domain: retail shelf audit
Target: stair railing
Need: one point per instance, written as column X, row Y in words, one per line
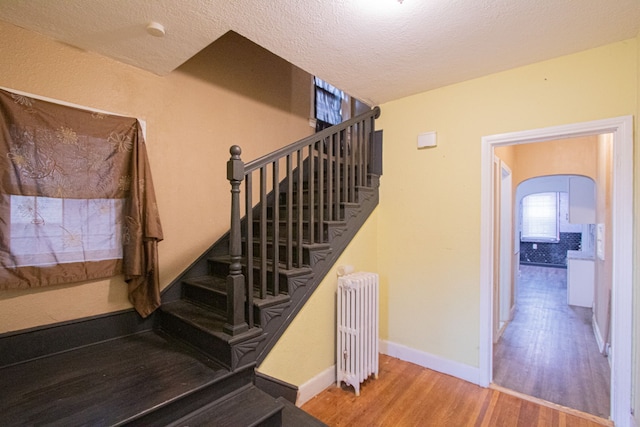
column 301, row 188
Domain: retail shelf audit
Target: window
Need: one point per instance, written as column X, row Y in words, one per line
column 328, row 104
column 540, row 217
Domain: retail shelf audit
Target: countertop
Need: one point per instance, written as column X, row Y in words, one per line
column 580, row 255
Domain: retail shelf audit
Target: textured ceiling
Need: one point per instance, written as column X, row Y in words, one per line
column 376, row 50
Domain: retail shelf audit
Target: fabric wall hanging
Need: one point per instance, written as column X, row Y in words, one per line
column 76, row 199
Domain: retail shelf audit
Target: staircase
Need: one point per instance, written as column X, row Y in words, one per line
column 309, row 201
column 192, row 363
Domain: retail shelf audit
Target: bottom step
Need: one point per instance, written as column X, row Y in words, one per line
column 249, row 406
column 292, row 416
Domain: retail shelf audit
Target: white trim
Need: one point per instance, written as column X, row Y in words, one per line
column 327, row 378
column 430, row 361
column 316, row 385
column 505, row 285
column 622, row 210
column 596, row 332
column 622, row 295
column 486, row 264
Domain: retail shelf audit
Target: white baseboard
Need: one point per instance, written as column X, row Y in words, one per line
column 596, row 332
column 431, row 361
column 315, row 385
column 326, row 378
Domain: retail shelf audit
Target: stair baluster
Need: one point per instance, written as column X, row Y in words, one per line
column 276, row 229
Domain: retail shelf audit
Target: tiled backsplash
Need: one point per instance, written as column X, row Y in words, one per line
column 552, row 254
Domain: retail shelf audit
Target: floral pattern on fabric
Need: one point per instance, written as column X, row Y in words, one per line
column 84, row 164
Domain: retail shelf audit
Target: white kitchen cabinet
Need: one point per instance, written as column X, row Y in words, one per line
column 582, row 200
column 580, row 279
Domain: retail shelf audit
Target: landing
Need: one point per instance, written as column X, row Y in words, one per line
column 102, row 384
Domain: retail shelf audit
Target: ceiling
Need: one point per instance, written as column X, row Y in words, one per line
column 375, row 50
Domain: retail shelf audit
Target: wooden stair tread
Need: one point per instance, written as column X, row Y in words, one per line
column 103, row 384
column 283, row 221
column 296, row 271
column 218, row 285
column 283, row 241
column 271, row 300
column 206, row 320
column 212, row 283
column 305, row 189
column 249, row 406
column 196, row 315
column 292, row 416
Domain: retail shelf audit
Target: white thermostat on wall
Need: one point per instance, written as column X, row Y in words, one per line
column 427, row 139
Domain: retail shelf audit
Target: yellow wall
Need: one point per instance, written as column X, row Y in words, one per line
column 308, row 346
column 233, row 92
column 429, row 216
column 427, row 225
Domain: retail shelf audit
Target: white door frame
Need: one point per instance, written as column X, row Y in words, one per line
column 506, row 243
column 622, row 229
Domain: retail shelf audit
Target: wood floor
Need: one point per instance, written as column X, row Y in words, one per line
column 409, row 395
column 549, row 349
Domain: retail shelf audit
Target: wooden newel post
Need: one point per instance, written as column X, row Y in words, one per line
column 235, row 280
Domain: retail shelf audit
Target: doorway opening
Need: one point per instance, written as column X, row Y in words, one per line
column 621, row 237
column 550, row 347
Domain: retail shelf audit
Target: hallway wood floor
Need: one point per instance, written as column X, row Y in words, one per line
column 409, row 395
column 549, row 350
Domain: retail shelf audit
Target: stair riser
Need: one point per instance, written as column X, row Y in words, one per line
column 306, row 196
column 282, row 252
column 196, row 400
column 337, row 171
column 211, row 345
column 283, row 214
column 221, row 269
column 215, row 300
column 283, row 230
column 246, row 407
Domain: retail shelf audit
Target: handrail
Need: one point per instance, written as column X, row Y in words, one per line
column 318, row 176
column 281, row 152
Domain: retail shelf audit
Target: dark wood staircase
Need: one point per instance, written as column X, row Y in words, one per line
column 312, row 198
column 143, row 379
column 193, row 361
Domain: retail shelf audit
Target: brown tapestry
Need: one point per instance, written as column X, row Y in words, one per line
column 76, row 199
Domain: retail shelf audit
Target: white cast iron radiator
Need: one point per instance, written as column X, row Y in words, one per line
column 357, row 347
